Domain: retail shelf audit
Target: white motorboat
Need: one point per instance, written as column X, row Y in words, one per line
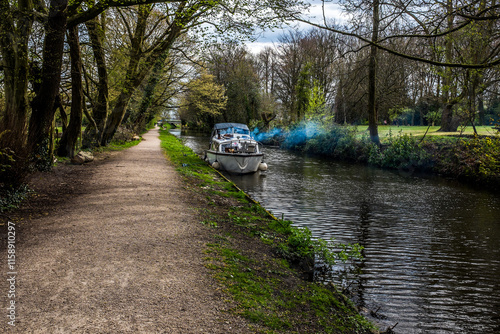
column 233, row 149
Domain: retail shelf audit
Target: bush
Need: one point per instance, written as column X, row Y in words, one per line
column 10, row 199
column 299, row 246
column 6, row 159
column 13, row 167
column 401, row 152
column 328, row 140
column 479, row 158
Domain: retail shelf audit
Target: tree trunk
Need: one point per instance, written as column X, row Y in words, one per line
column 93, row 135
column 372, row 77
column 43, row 105
column 481, row 110
column 149, row 90
column 116, row 116
column 132, row 79
column 70, row 137
column 14, row 53
column 64, row 118
column 448, row 124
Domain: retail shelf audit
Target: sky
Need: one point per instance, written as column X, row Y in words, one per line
column 332, row 12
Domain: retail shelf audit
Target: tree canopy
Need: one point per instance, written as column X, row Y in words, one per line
column 131, row 42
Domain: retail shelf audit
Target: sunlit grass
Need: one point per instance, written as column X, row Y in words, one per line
column 118, row 146
column 385, row 130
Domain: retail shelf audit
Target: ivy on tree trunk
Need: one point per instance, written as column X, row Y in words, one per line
column 43, row 110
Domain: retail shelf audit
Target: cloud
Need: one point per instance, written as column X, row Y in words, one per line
column 256, row 47
column 332, row 12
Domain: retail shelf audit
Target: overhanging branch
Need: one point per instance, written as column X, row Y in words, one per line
column 101, row 6
column 489, row 64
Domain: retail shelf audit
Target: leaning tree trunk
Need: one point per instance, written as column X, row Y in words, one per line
column 135, row 73
column 116, row 116
column 70, row 136
column 132, row 77
column 43, row 110
column 149, row 90
column 372, row 77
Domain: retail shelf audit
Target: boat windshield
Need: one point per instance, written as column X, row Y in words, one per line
column 236, row 131
column 241, row 131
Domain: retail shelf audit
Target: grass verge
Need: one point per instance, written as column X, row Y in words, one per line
column 258, row 260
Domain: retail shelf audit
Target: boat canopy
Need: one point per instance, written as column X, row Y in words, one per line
column 219, row 126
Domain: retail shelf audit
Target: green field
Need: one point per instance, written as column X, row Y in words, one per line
column 385, row 130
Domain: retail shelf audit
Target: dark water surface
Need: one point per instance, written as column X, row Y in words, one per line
column 432, row 246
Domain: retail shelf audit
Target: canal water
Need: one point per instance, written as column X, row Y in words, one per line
column 431, row 245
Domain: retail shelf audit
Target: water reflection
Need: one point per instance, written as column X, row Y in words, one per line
column 432, row 246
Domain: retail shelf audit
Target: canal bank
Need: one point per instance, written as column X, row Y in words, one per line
column 247, row 257
column 112, row 246
column 472, row 159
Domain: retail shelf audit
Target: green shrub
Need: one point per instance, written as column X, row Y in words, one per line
column 330, row 140
column 13, row 167
column 6, row 159
column 299, row 245
column 400, row 152
column 478, row 157
column 10, row 199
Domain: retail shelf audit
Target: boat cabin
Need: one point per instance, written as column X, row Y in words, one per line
column 232, row 138
column 233, row 149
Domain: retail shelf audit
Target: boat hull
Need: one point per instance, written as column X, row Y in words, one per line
column 235, row 163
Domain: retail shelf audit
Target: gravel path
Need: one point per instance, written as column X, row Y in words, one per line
column 122, row 255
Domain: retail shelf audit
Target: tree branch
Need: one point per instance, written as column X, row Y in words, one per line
column 101, row 6
column 403, row 55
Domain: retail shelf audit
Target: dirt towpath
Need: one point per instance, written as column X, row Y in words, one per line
column 122, row 254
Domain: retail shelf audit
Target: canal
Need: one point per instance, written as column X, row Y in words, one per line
column 431, row 245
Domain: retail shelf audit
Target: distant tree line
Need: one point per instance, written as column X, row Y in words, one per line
column 405, row 62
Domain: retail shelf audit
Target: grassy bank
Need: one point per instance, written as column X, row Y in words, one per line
column 258, row 260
